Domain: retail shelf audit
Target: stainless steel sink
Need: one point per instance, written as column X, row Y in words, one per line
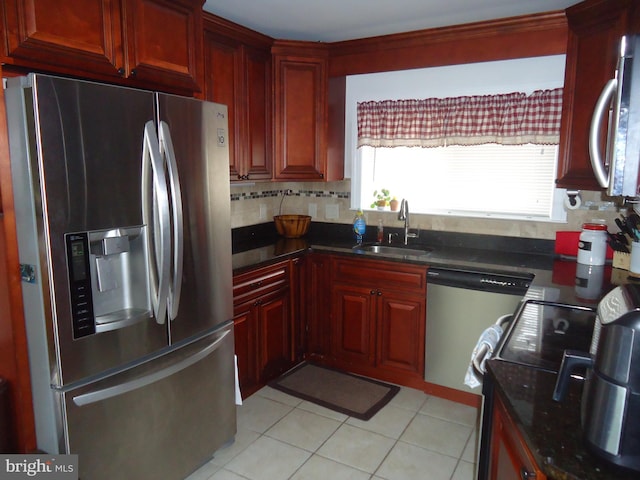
column 392, row 250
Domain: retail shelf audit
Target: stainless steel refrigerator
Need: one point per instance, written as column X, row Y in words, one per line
column 123, row 216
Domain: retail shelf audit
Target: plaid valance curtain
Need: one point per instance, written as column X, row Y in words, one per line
column 509, row 119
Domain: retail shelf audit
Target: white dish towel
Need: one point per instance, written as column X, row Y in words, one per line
column 238, row 395
column 481, row 353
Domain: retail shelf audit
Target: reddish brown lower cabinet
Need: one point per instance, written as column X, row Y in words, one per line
column 314, row 310
column 245, row 334
column 378, row 316
column 353, row 325
column 263, row 324
column 401, row 332
column 510, row 457
column 274, row 334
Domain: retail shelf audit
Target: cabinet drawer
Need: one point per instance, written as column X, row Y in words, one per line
column 260, row 282
column 372, row 273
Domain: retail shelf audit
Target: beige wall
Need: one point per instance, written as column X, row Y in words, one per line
column 247, row 203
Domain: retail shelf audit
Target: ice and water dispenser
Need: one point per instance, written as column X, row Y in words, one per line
column 108, row 279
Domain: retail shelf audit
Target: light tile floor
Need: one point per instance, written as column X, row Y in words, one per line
column 415, row 436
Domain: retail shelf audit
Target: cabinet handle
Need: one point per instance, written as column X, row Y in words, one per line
column 372, row 292
column 257, row 302
column 121, row 72
column 133, row 73
column 526, row 474
column 379, row 293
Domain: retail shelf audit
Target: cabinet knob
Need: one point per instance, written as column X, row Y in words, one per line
column 133, row 73
column 372, row 292
column 526, row 474
column 379, row 293
column 121, row 72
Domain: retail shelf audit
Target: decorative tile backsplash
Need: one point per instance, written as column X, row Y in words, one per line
column 253, row 195
column 331, row 201
column 258, row 203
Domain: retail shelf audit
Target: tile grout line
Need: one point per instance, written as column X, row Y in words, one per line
column 342, row 422
column 315, row 452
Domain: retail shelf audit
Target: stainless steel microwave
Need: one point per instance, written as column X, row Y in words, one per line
column 619, row 106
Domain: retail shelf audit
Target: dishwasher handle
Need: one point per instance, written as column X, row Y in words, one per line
column 485, row 350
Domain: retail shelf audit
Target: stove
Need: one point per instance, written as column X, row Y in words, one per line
column 541, row 331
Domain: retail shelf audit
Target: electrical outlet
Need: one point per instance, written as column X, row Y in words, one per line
column 313, row 210
column 263, row 211
column 332, row 211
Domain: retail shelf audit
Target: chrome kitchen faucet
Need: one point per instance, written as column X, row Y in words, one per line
column 404, row 215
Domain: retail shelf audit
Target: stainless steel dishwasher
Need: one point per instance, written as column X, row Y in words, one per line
column 461, row 304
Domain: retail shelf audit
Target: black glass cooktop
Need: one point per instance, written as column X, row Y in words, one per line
column 541, row 331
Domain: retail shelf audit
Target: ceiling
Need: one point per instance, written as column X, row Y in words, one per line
column 337, row 20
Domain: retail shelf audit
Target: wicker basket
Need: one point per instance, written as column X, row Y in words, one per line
column 292, row 226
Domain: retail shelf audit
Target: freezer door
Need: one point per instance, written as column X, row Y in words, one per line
column 76, row 152
column 163, row 419
column 195, row 134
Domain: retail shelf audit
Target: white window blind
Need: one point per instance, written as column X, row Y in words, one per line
column 502, row 181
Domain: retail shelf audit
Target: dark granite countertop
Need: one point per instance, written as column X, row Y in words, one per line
column 256, row 245
column 260, row 245
column 551, row 429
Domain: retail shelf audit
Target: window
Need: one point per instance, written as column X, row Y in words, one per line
column 488, row 180
column 498, row 181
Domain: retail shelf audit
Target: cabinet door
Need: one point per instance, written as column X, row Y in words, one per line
column 240, row 77
column 401, row 332
column 223, row 84
column 245, row 334
column 274, row 332
column 81, row 35
column 353, row 324
column 510, row 457
column 317, row 303
column 164, row 42
column 300, row 116
column 595, row 29
column 257, row 120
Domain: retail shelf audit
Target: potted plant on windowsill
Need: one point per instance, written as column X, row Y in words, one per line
column 381, row 199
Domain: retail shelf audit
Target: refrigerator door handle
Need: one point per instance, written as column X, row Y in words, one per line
column 127, row 386
column 155, row 213
column 166, row 148
column 601, row 108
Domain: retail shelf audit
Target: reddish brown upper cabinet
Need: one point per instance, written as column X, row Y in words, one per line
column 144, row 43
column 300, row 110
column 595, row 29
column 238, row 74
